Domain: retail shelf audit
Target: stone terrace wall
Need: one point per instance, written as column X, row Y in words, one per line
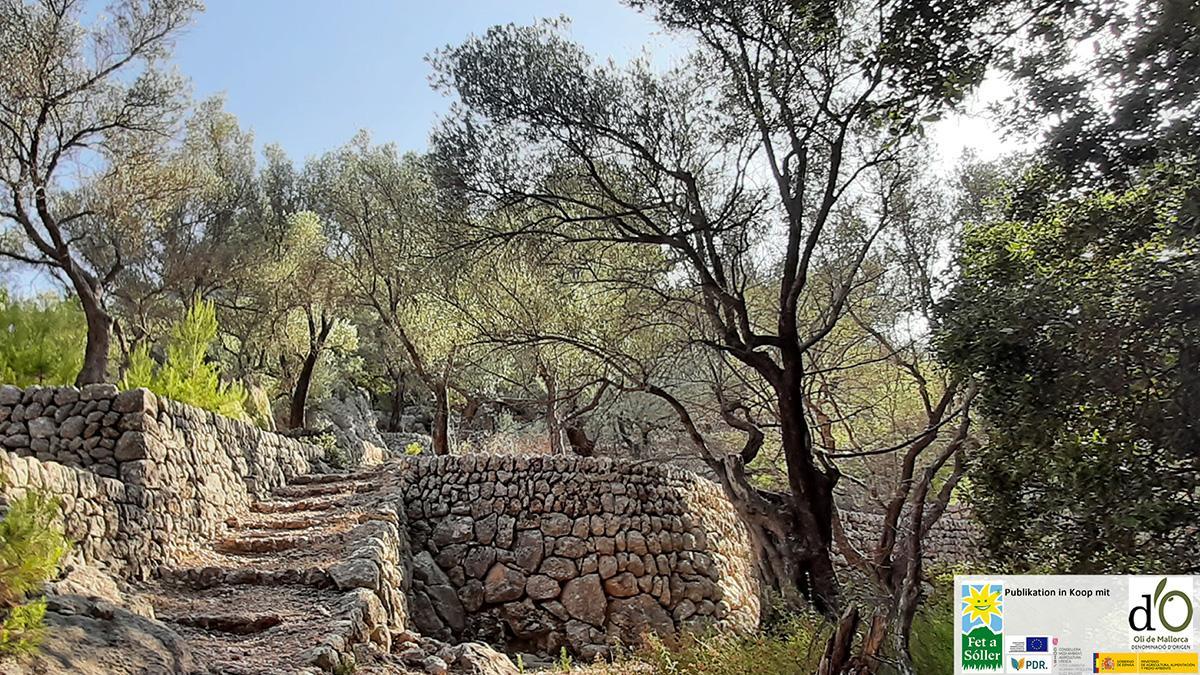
column 956, row 538
column 119, row 526
column 545, row 552
column 143, row 480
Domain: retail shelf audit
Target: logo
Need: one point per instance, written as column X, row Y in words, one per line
column 1168, row 607
column 1028, row 665
column 981, row 611
column 1029, row 653
column 1114, row 663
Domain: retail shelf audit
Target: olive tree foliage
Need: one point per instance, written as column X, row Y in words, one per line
column 1080, row 325
column 215, row 237
column 766, row 170
column 84, row 115
column 310, row 306
column 549, row 321
column 1074, row 305
column 391, row 235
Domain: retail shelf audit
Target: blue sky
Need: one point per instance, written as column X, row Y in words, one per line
column 307, row 74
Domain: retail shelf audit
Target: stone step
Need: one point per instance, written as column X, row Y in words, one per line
column 326, row 524
column 294, row 506
column 285, row 521
column 325, row 478
column 323, row 489
column 251, row 628
column 200, row 578
column 267, row 543
column 238, row 624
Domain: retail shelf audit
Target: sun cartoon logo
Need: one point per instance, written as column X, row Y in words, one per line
column 982, row 606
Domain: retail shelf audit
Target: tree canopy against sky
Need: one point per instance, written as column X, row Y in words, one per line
column 1075, row 307
column 77, row 105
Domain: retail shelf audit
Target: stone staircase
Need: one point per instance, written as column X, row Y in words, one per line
column 307, row 579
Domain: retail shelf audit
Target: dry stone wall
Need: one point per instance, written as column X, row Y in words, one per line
column 116, row 525
column 544, row 552
column 956, row 538
column 143, row 480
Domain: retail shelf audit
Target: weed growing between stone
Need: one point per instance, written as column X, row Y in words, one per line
column 335, row 455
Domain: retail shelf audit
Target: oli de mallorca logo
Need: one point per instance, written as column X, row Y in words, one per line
column 1160, row 604
column 982, row 626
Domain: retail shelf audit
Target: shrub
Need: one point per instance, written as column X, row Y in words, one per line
column 41, row 340
column 186, row 375
column 413, row 449
column 335, row 455
column 31, row 546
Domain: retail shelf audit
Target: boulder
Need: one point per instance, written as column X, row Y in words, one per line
column 631, row 618
column 87, row 636
column 348, row 415
column 476, row 658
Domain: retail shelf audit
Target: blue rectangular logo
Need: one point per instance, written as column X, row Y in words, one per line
column 1037, row 644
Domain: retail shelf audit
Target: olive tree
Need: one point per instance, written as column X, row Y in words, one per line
column 84, row 112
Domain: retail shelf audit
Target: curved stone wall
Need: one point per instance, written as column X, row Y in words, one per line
column 544, row 552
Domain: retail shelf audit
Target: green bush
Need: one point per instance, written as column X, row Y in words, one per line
column 42, row 342
column 186, row 374
column 31, row 546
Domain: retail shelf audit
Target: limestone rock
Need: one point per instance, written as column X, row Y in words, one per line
column 454, row 530
column 42, row 427
column 9, row 395
column 349, row 415
column 624, row 585
column 632, row 618
column 475, row 658
column 434, row 666
column 541, row 587
column 355, row 573
column 528, row 550
column 449, row 607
